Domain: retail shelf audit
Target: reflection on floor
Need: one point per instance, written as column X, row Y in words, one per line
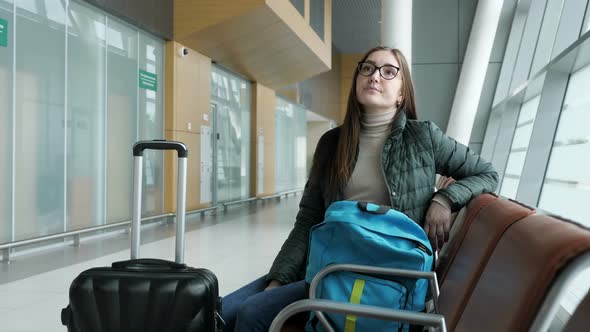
column 238, row 246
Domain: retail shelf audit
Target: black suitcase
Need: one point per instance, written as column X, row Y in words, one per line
column 146, row 294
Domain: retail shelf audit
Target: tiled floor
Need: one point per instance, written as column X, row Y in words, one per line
column 237, row 246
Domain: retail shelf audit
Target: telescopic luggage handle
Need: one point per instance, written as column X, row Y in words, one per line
column 160, row 144
column 138, row 149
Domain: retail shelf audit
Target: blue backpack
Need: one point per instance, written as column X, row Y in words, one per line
column 368, row 234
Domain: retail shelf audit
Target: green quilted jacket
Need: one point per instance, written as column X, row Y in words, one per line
column 412, row 155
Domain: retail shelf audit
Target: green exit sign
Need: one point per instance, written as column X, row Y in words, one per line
column 148, row 80
column 3, row 32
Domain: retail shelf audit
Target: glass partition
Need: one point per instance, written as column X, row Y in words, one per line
column 122, row 117
column 40, row 119
column 151, row 122
column 290, row 146
column 74, row 117
column 6, row 117
column 85, row 117
column 231, row 94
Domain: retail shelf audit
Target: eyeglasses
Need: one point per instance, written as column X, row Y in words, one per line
column 388, row 72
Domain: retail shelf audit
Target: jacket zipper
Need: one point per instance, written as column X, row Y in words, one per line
column 383, row 173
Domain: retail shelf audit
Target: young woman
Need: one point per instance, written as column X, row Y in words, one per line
column 382, row 155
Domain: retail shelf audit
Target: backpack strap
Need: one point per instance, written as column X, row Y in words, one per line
column 355, row 298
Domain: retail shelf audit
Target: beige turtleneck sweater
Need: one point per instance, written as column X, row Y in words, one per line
column 367, row 182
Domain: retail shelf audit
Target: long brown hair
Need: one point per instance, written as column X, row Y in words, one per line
column 340, row 168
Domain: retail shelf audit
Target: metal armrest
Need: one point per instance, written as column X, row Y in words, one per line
column 369, row 311
column 372, row 270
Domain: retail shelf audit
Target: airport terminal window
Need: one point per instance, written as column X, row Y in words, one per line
column 54, row 10
column 6, row 85
column 28, row 5
column 519, row 147
column 566, row 187
column 586, row 26
column 231, row 93
column 511, row 52
column 290, row 146
column 529, row 41
column 316, row 16
column 491, row 135
column 547, row 35
column 299, row 5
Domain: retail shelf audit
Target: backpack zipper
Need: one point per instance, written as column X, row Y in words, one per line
column 424, row 248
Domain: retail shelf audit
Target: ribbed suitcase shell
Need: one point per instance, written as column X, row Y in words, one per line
column 143, row 300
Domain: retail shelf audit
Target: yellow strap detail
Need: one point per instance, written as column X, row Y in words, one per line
column 355, row 298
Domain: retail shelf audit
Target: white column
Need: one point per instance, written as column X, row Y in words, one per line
column 396, row 26
column 475, row 65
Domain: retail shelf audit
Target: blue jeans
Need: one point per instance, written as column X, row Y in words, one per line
column 251, row 309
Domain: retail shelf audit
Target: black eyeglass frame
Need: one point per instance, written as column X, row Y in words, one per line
column 375, row 67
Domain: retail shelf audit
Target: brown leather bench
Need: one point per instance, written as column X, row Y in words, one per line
column 458, row 231
column 530, row 257
column 486, row 218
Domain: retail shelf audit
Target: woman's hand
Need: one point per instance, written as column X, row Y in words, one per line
column 273, row 284
column 437, row 224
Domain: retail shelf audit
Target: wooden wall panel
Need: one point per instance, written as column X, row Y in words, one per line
column 322, row 93
column 191, row 15
column 270, row 43
column 170, row 91
column 188, row 88
column 193, row 196
column 187, row 99
column 291, row 17
column 263, row 123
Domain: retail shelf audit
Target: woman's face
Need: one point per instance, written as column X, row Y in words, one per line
column 375, row 93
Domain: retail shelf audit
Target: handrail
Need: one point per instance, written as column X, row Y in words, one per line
column 264, row 198
column 76, row 232
column 5, row 248
column 226, row 204
column 253, row 199
column 283, row 193
column 203, row 210
column 295, row 191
